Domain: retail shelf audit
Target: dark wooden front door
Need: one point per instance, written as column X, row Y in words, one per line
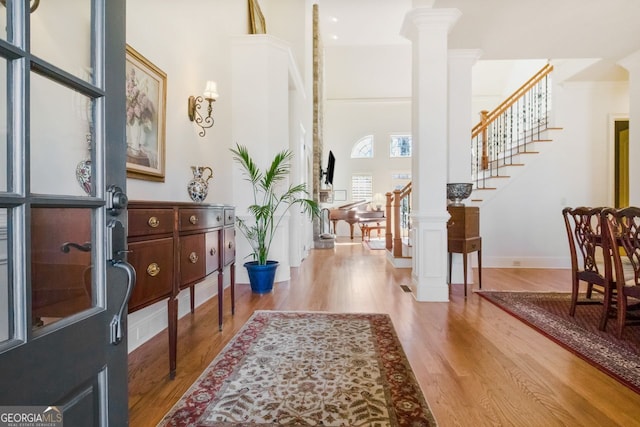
column 63, row 278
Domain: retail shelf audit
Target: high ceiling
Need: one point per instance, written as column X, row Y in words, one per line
column 502, row 29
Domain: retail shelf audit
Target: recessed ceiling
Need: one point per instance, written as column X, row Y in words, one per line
column 362, row 22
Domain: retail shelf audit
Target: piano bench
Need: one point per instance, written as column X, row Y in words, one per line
column 371, row 224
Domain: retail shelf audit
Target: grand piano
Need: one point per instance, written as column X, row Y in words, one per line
column 353, row 213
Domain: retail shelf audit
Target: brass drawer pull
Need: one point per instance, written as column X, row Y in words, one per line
column 193, row 257
column 230, row 245
column 218, row 219
column 212, row 251
column 153, row 269
column 230, row 217
column 193, row 219
column 153, row 222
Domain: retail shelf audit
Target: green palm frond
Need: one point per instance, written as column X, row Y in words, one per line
column 268, row 201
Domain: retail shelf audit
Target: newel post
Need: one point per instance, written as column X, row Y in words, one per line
column 484, row 118
column 388, row 233
column 397, row 236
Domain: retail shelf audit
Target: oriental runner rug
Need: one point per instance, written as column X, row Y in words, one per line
column 549, row 314
column 307, row 368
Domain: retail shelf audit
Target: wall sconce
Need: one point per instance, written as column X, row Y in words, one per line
column 195, row 103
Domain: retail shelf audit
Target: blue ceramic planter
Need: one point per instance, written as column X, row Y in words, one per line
column 261, row 277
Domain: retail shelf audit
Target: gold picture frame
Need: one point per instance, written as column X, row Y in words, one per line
column 146, row 104
column 256, row 18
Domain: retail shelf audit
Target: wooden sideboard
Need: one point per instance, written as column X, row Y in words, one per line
column 463, row 237
column 173, row 246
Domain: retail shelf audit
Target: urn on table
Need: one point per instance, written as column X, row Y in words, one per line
column 457, row 192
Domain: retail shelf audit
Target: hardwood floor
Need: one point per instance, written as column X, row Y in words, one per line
column 476, row 364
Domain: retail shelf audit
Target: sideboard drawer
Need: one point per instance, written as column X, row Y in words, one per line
column 153, row 262
column 192, row 259
column 143, row 222
column 200, row 218
column 229, row 216
column 215, row 217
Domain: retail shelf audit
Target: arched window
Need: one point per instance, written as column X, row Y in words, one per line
column 363, row 149
column 400, row 146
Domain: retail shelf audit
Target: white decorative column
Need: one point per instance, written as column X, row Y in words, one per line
column 428, row 31
column 260, row 121
column 461, row 63
column 632, row 64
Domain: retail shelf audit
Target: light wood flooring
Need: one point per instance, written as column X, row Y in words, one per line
column 476, row 364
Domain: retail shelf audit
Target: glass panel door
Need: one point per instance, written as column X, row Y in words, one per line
column 62, row 152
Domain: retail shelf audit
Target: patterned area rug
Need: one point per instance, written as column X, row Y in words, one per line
column 549, row 314
column 306, row 368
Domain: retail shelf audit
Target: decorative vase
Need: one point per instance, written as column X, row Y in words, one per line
column 83, row 175
column 261, row 277
column 457, row 192
column 198, row 187
column 83, row 168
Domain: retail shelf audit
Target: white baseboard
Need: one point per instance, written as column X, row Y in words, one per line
column 525, row 262
column 398, row 262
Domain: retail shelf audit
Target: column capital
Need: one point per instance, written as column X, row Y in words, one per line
column 471, row 55
column 425, row 18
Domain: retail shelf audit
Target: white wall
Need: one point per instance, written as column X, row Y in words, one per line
column 495, row 80
column 368, row 72
column 522, row 225
column 200, row 51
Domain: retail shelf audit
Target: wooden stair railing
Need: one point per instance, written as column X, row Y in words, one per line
column 397, row 220
column 506, row 131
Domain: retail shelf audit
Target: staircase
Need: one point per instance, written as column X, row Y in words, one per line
column 505, row 140
column 511, row 135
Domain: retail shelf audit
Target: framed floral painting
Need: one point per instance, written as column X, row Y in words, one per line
column 146, row 92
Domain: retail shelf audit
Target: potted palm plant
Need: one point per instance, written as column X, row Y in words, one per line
column 271, row 200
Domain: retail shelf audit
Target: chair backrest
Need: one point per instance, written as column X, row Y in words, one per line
column 621, row 229
column 584, row 234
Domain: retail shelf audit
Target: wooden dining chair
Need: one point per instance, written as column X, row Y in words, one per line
column 587, row 262
column 621, row 231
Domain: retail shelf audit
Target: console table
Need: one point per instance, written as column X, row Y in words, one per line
column 174, row 246
column 463, row 237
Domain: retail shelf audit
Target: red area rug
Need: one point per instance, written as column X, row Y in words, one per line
column 549, row 314
column 306, row 368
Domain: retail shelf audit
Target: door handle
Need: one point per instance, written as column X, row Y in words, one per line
column 117, row 200
column 116, row 250
column 116, row 322
column 66, row 247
